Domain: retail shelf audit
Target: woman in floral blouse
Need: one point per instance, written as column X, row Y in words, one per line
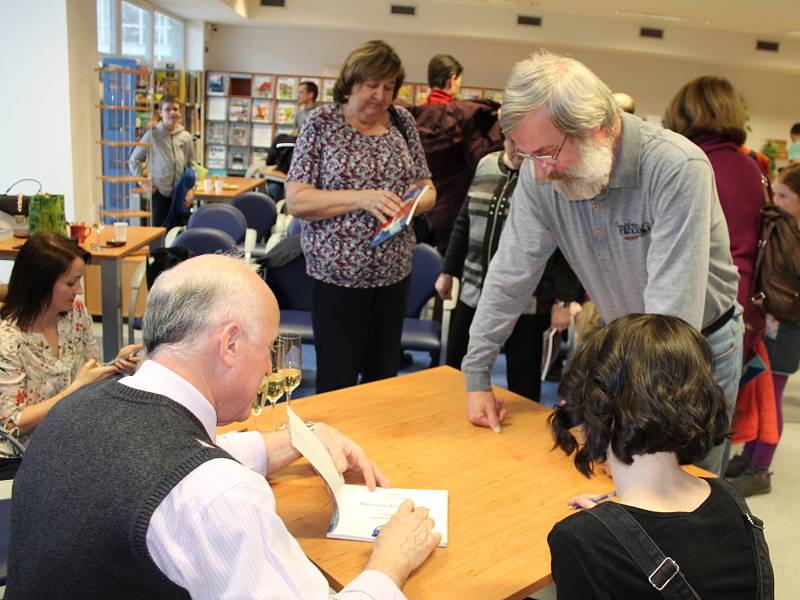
column 352, row 163
column 47, row 349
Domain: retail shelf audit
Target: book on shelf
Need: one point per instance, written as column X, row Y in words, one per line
column 215, row 157
column 262, row 136
column 406, row 93
column 217, row 84
column 216, row 132
column 327, row 89
column 359, row 514
column 285, row 113
column 401, row 219
column 496, row 95
column 239, row 109
column 259, row 156
column 422, row 92
column 238, row 158
column 262, row 86
column 217, row 109
column 239, row 134
column 287, row 88
column 471, row 93
column 262, row 110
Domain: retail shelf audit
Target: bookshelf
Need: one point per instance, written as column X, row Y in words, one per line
column 245, row 111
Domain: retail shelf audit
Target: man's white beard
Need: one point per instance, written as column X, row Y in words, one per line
column 589, row 178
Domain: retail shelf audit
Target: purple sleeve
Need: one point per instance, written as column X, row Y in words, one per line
column 306, row 164
column 421, row 170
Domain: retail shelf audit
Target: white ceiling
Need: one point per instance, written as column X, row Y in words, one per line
column 778, row 19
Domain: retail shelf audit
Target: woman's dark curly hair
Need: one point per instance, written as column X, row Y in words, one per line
column 642, row 384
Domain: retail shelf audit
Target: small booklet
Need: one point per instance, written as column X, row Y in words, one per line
column 401, row 219
column 359, row 514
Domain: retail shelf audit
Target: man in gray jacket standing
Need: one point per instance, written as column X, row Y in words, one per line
column 633, row 208
column 171, row 151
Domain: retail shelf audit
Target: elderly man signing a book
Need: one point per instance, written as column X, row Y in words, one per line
column 354, row 160
column 171, row 509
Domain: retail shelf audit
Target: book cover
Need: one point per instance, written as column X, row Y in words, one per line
column 238, row 158
column 215, row 157
column 262, row 111
column 217, row 84
column 285, row 113
column 422, row 93
column 359, row 514
column 287, row 88
column 327, row 89
column 496, row 95
column 262, row 136
column 217, row 109
column 215, row 132
column 471, row 93
column 239, row 134
column 401, row 219
column 406, row 94
column 239, row 109
column 262, row 86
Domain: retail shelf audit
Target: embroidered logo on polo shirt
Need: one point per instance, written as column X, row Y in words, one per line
column 633, row 231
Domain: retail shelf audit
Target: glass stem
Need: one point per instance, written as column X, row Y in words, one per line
column 257, row 422
column 273, row 416
column 288, row 400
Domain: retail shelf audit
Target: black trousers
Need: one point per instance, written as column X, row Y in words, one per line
column 523, row 349
column 160, row 206
column 357, row 332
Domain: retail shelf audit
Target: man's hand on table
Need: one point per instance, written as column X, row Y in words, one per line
column 405, row 541
column 346, row 454
column 485, row 410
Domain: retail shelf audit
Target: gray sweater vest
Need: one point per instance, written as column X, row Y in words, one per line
column 95, row 470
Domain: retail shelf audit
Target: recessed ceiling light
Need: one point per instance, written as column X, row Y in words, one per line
column 654, row 16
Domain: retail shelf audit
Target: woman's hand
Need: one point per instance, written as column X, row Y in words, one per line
column 444, row 286
column 90, row 372
column 125, row 362
column 380, row 203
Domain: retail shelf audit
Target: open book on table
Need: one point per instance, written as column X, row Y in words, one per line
column 401, row 219
column 358, row 514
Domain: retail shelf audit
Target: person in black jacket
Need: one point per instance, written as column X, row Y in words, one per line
column 473, row 242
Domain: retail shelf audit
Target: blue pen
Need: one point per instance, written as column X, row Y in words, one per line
column 377, row 530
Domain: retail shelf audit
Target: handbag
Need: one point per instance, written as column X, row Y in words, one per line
column 16, row 206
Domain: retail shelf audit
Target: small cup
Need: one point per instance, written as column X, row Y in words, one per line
column 206, row 185
column 79, row 231
column 218, row 186
column 121, row 231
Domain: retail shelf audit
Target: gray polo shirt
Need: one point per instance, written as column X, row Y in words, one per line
column 655, row 241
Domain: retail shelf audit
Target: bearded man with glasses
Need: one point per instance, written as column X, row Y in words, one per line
column 634, row 209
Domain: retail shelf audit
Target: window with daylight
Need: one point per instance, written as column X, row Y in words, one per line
column 169, row 41
column 137, row 31
column 105, row 26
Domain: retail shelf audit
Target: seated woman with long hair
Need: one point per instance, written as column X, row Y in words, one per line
column 47, row 348
column 642, row 394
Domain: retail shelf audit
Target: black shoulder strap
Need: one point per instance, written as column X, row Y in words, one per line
column 394, row 117
column 661, row 571
column 764, row 574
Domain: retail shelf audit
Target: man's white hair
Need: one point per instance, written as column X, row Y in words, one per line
column 577, row 100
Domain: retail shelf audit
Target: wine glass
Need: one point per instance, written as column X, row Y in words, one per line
column 98, row 224
column 292, row 364
column 273, row 384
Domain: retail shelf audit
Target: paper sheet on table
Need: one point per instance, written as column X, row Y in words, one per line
column 358, row 513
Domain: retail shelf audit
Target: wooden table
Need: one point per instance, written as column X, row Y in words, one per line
column 506, row 491
column 109, row 259
column 243, row 184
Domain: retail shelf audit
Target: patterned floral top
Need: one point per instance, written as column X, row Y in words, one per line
column 29, row 373
column 331, row 155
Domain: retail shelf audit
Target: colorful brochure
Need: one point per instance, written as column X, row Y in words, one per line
column 401, row 219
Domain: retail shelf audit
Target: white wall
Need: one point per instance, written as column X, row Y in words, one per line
column 653, row 80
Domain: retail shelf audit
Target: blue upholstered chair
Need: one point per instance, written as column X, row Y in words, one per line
column 259, row 212
column 292, row 288
column 424, row 334
column 223, row 217
column 205, row 240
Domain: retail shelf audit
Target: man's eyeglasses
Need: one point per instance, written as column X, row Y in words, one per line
column 546, row 158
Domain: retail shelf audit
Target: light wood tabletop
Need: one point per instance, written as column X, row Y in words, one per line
column 138, row 237
column 506, row 491
column 231, row 187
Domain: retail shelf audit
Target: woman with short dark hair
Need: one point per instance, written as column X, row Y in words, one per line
column 642, row 394
column 353, row 161
column 47, row 348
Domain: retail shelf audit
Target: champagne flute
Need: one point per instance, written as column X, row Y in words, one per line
column 273, row 384
column 98, row 225
column 292, row 364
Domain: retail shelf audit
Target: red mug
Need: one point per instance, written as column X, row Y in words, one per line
column 79, row 231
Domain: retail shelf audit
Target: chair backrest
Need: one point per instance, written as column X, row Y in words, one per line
column 204, row 240
column 425, row 269
column 258, row 210
column 291, row 284
column 223, row 217
column 5, row 526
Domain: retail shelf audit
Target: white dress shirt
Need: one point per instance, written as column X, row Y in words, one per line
column 217, row 535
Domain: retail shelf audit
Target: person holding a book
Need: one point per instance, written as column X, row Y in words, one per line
column 354, row 160
column 171, row 508
column 171, row 151
column 642, row 394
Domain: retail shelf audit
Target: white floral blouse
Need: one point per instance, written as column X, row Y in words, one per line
column 29, row 373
